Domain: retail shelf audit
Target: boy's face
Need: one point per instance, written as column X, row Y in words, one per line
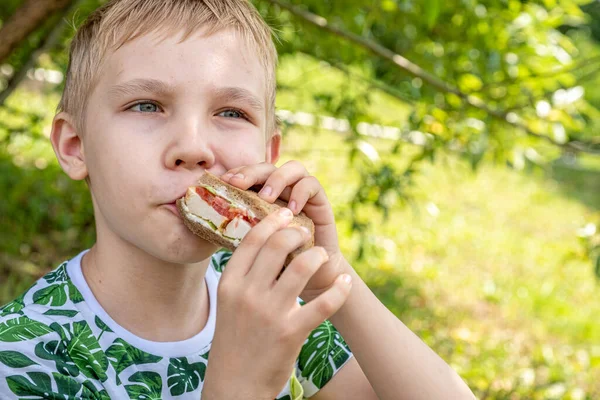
column 161, row 113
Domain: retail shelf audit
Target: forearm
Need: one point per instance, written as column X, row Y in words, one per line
column 396, row 362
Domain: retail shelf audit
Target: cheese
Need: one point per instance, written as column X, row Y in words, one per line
column 197, row 206
column 237, row 228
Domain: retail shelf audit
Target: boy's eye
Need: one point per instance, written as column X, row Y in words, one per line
column 145, row 107
column 232, row 113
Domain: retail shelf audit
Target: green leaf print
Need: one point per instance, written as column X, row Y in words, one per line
column 91, row 392
column 58, row 275
column 205, row 355
column 63, row 313
column 220, row 259
column 83, row 348
column 122, row 355
column 67, row 385
column 74, row 293
column 54, row 295
column 38, row 384
column 22, row 328
column 100, row 324
column 323, row 353
column 14, row 307
column 56, row 351
column 14, row 359
column 183, row 376
column 150, row 388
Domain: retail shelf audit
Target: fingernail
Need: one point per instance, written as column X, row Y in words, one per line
column 239, row 176
column 292, row 205
column 347, row 279
column 325, row 255
column 305, row 230
column 266, row 191
column 226, row 176
column 286, row 213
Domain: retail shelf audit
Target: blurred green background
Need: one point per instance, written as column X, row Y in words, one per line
column 457, row 141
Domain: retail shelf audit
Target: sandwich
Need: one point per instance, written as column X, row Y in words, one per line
column 223, row 214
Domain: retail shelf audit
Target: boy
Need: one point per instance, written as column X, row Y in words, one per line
column 157, row 92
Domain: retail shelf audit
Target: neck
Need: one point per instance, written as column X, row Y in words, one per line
column 153, row 299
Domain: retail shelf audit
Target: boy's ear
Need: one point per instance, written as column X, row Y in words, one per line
column 68, row 146
column 273, row 149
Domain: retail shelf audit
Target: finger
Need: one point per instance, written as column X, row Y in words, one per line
column 251, row 175
column 324, row 306
column 245, row 254
column 308, row 188
column 227, row 175
column 286, row 175
column 297, row 274
column 272, row 255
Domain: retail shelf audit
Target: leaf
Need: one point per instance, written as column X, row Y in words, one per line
column 100, row 324
column 54, row 295
column 58, row 275
column 184, row 377
column 74, row 293
column 21, row 329
column 150, row 388
column 432, row 12
column 323, row 353
column 56, row 350
column 66, row 385
column 38, row 384
column 220, row 260
column 83, row 349
column 14, row 359
column 14, row 307
column 90, row 391
column 63, row 313
column 122, row 355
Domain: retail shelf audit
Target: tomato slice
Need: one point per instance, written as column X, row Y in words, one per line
column 223, row 206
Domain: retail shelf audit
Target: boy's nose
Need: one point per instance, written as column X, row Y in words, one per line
column 190, row 151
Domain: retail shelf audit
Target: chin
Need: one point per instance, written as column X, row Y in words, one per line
column 187, row 249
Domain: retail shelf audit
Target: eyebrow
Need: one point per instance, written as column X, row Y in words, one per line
column 240, row 94
column 134, row 86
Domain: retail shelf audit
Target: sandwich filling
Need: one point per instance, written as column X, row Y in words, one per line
column 222, row 215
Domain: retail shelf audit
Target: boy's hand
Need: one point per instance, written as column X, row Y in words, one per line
column 293, row 183
column 260, row 327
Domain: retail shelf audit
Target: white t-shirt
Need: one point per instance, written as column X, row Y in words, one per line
column 57, row 342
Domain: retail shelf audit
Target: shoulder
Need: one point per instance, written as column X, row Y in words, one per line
column 45, row 342
column 40, row 311
column 53, row 295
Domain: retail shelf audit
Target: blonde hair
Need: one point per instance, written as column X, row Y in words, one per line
column 120, row 21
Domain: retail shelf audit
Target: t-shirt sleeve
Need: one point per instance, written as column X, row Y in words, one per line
column 34, row 363
column 323, row 354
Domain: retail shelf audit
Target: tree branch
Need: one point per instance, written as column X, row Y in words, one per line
column 415, row 70
column 47, row 43
column 24, row 21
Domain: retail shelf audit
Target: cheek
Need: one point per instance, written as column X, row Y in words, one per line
column 117, row 164
column 237, row 153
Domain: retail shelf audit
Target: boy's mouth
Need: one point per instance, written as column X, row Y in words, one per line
column 172, row 206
